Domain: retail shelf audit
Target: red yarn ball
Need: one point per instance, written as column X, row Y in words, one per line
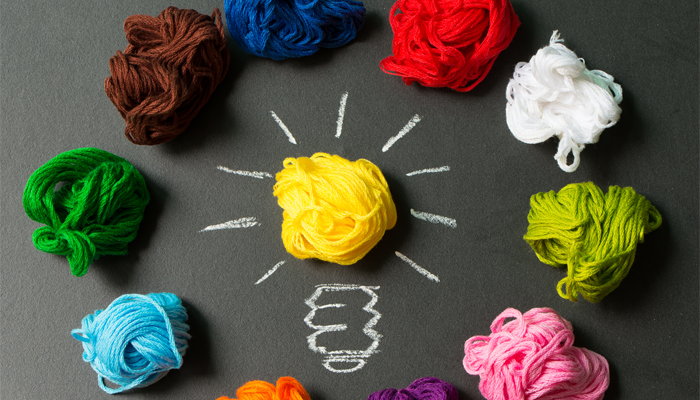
column 448, row 43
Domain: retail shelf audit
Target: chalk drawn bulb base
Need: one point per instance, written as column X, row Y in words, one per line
column 356, row 358
column 359, row 363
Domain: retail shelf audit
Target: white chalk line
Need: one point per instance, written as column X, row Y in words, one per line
column 346, row 356
column 284, row 127
column 253, row 174
column 341, row 114
column 418, row 268
column 435, row 219
column 238, row 223
column 270, row 272
column 416, row 118
column 429, row 170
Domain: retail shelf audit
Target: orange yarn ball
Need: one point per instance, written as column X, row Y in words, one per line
column 287, row 388
column 335, row 210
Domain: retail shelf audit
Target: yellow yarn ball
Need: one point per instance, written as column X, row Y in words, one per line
column 334, row 209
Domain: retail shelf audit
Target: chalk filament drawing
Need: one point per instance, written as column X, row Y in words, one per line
column 237, row 223
column 356, row 357
column 418, row 268
column 429, row 170
column 270, row 272
column 435, row 219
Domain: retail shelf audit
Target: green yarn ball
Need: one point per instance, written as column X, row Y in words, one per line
column 95, row 212
column 593, row 235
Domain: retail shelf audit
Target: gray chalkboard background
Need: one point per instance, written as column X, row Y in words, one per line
column 54, row 59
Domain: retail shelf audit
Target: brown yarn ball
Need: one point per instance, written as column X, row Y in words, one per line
column 167, row 73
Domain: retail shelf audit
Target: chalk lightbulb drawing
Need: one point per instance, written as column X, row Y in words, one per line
column 356, row 358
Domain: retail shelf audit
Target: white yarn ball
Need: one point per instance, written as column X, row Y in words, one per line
column 555, row 95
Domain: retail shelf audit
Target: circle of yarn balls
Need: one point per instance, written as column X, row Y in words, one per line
column 97, row 210
column 167, row 73
column 556, row 95
column 334, row 209
column 136, row 341
column 287, row 388
column 533, row 357
column 280, row 29
column 448, row 43
column 593, row 235
column 427, row 388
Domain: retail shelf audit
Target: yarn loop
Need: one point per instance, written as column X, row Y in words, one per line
column 448, row 43
column 280, row 29
column 96, row 212
column 532, row 357
column 334, row 209
column 136, row 340
column 427, row 388
column 167, row 73
column 594, row 235
column 556, row 95
column 287, row 388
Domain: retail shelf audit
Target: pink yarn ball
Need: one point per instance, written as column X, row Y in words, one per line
column 533, row 357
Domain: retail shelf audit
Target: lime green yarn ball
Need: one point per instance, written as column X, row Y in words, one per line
column 593, row 235
column 92, row 203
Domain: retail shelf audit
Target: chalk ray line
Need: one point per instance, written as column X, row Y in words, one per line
column 341, row 114
column 429, row 170
column 418, row 268
column 270, row 272
column 435, row 219
column 412, row 123
column 252, row 174
column 246, row 222
column 284, row 127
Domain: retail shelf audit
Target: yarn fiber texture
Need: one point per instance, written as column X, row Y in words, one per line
column 280, row 29
column 593, row 235
column 448, row 43
column 533, row 357
column 97, row 210
column 427, row 388
column 287, row 388
column 136, row 341
column 335, row 210
column 556, row 95
column 167, row 73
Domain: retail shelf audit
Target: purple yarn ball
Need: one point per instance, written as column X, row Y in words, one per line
column 421, row 389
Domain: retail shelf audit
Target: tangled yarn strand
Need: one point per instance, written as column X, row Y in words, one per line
column 594, row 235
column 554, row 94
column 280, row 29
column 427, row 388
column 96, row 212
column 169, row 70
column 334, row 209
column 532, row 357
column 135, row 341
column 287, row 388
column 448, row 43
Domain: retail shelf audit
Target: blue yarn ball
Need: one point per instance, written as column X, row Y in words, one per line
column 280, row 29
column 136, row 340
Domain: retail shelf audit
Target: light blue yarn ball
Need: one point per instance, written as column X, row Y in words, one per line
column 136, row 340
